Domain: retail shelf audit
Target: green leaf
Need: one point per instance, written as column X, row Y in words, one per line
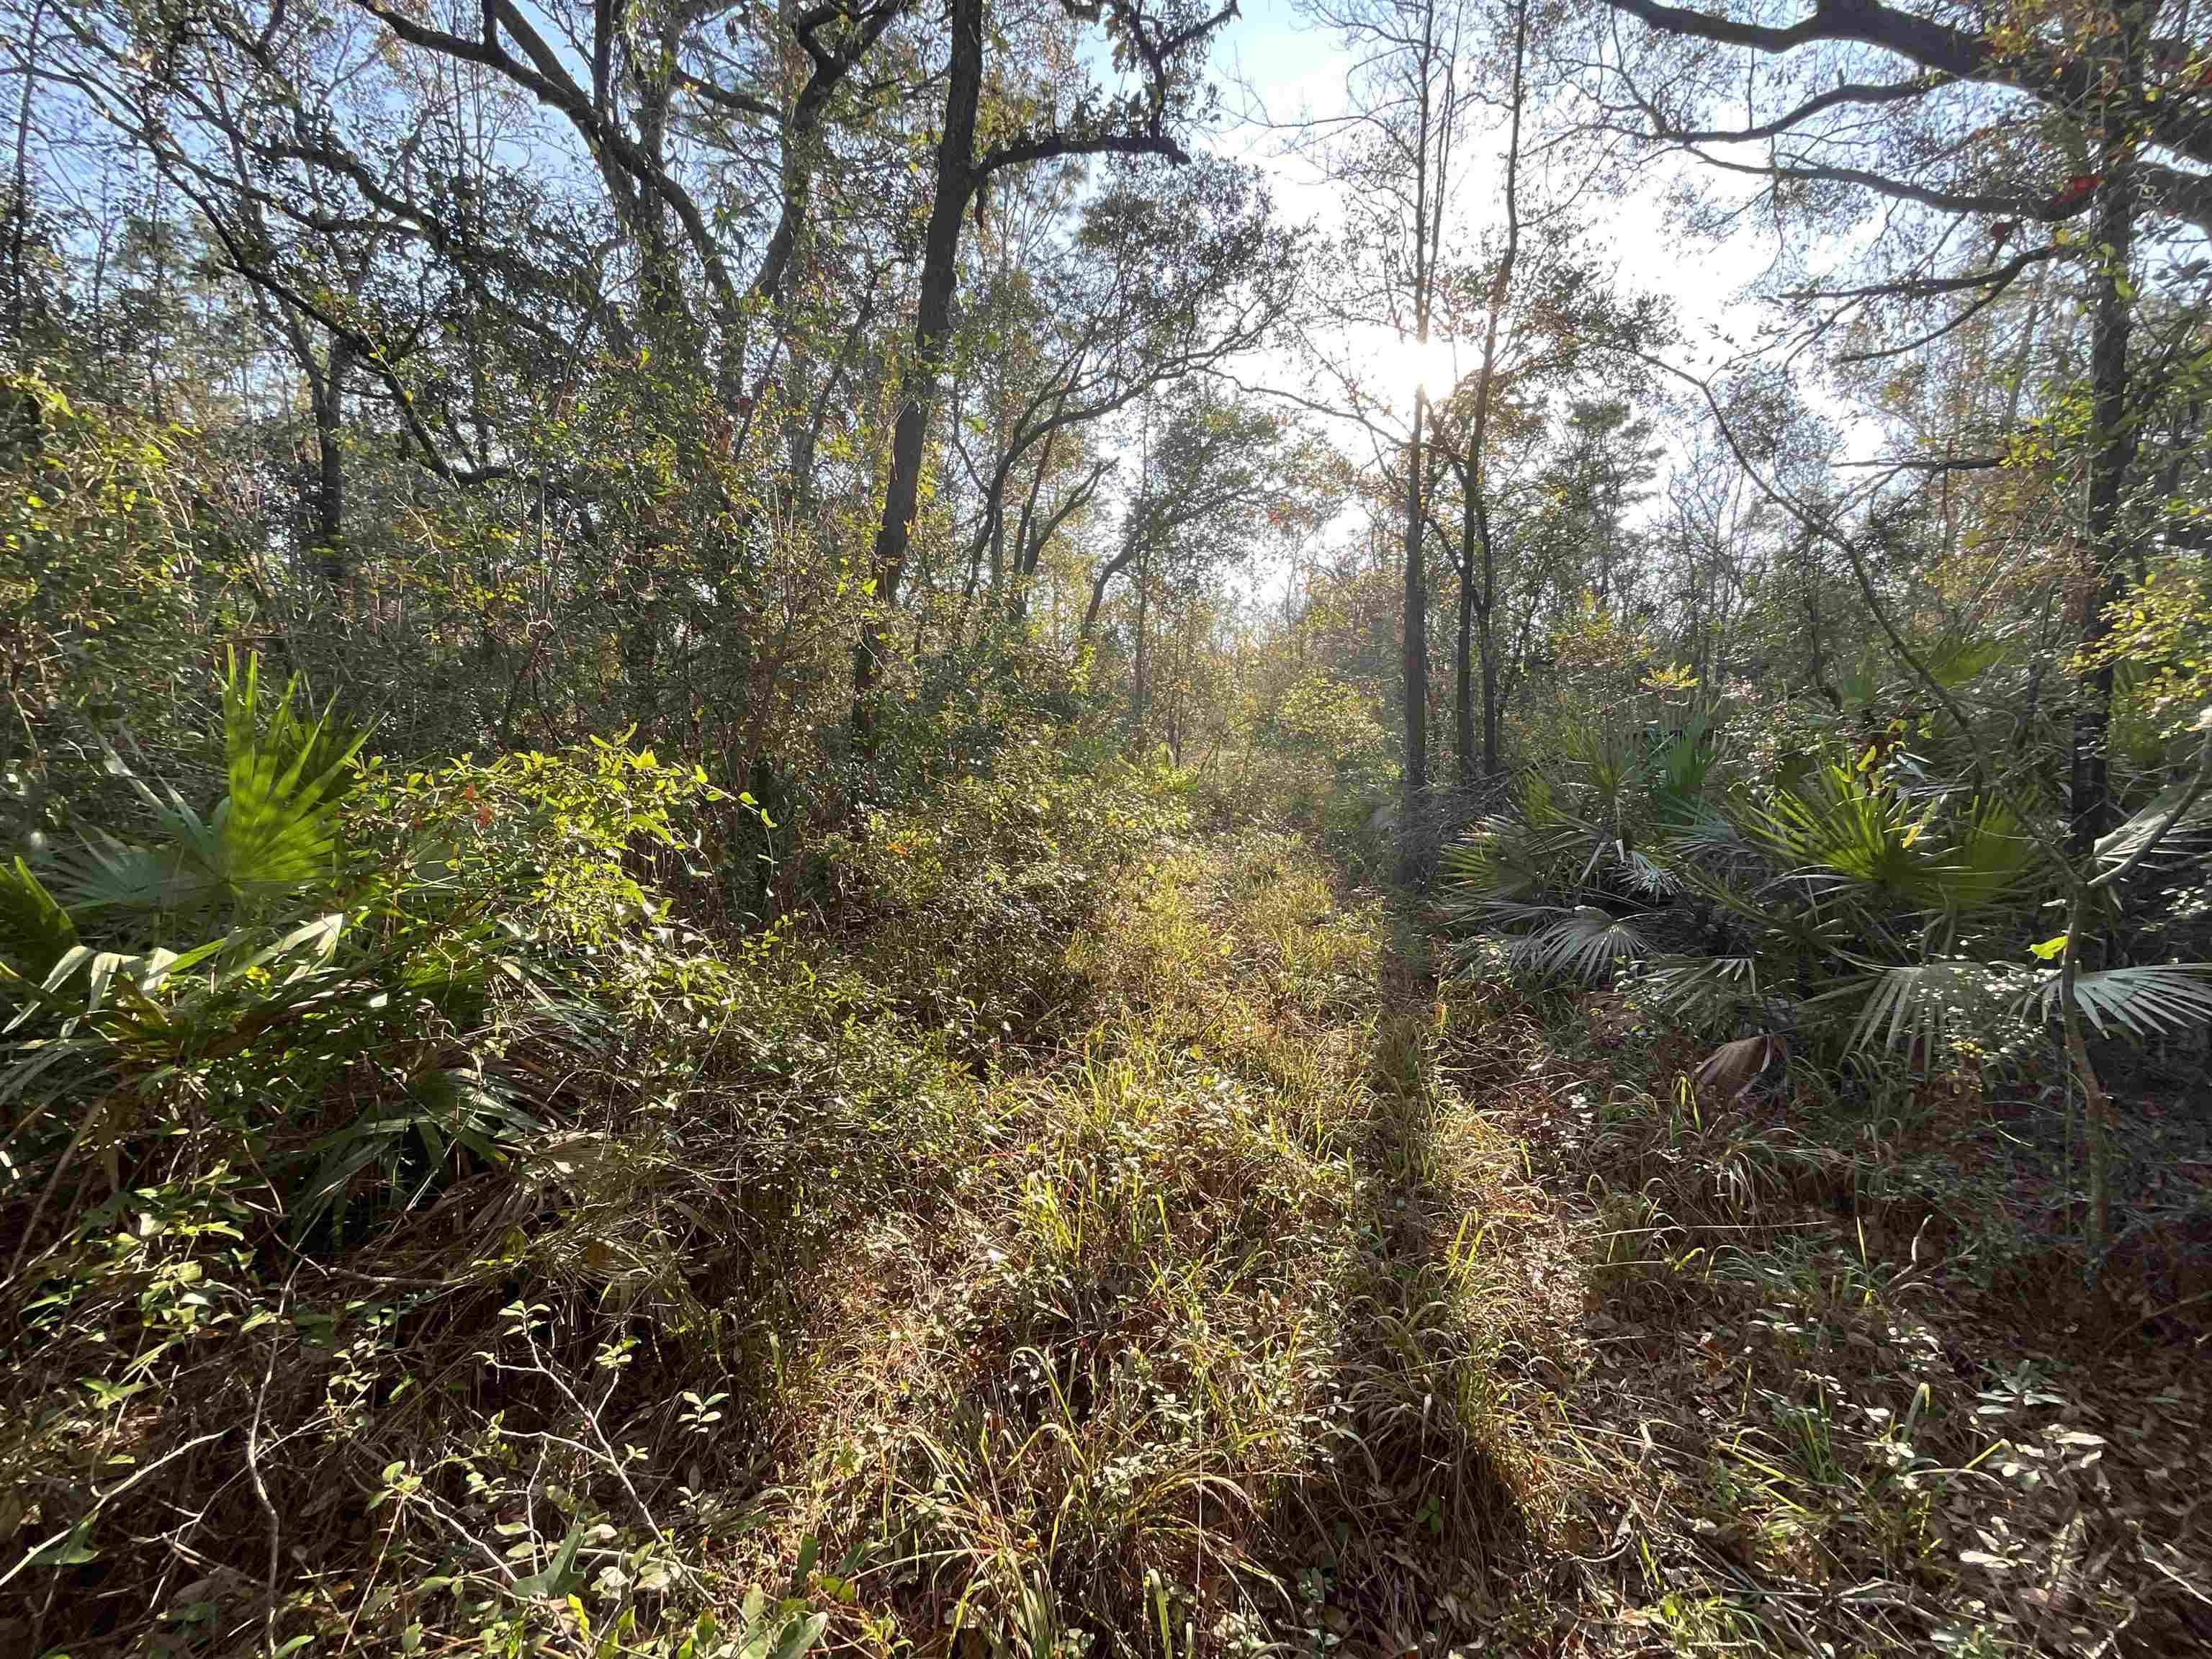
column 809, row 1547
column 65, row 1549
column 799, row 1637
column 2147, row 1001
column 34, row 929
column 555, row 1579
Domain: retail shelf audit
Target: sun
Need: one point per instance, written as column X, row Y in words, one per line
column 1396, row 365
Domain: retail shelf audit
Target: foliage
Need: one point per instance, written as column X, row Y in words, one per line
column 960, row 905
column 1862, row 898
column 374, row 1139
column 106, row 583
column 793, row 1029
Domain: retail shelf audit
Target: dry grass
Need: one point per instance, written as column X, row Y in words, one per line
column 1216, row 1350
column 1836, row 1410
column 1306, row 1301
column 1274, row 1295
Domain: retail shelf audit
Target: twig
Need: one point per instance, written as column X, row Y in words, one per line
column 2156, row 1315
column 92, row 1116
column 1820, row 529
column 369, row 1587
column 101, row 1500
column 260, row 1486
column 591, row 1421
column 438, row 1512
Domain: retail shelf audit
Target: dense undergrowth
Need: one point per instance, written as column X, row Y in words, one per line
column 1102, row 1231
column 407, row 1209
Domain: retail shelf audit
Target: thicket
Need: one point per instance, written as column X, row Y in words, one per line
column 392, row 1158
column 414, row 1164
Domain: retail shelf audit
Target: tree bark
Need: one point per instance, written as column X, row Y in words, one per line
column 19, row 204
column 932, row 331
column 1417, row 617
column 1429, row 182
column 1113, row 568
column 2112, row 457
column 1463, row 655
column 1137, row 688
column 327, row 396
column 1476, row 538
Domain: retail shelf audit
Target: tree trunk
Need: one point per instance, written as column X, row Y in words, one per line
column 1137, row 689
column 327, row 396
column 1417, row 619
column 19, row 204
column 1494, row 705
column 1026, row 552
column 2111, row 456
column 933, row 330
column 1463, row 655
column 1476, row 491
column 1113, row 568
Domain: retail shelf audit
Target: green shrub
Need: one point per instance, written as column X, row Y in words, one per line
column 961, row 905
column 1860, row 897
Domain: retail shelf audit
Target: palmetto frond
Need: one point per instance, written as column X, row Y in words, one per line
column 2189, row 837
column 1960, row 660
column 267, row 962
column 2152, row 999
column 1702, row 989
column 1709, row 832
column 1586, row 943
column 1609, row 756
column 1644, row 875
column 1839, row 830
column 272, row 835
column 105, row 875
column 1992, row 856
column 476, row 1109
column 1918, row 1004
column 1522, row 916
column 1682, row 771
column 1496, row 864
column 275, row 831
column 1510, row 862
column 1771, row 909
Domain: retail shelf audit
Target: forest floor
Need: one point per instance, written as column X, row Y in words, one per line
column 1298, row 1296
column 1214, row 1269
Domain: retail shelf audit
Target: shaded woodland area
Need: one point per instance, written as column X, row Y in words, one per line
column 1098, row 826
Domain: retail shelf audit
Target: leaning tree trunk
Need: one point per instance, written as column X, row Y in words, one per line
column 932, row 331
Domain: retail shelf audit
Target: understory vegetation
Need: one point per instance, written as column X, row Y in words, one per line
column 1120, row 1228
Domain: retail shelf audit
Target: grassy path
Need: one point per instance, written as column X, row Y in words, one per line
column 1294, row 1300
column 1211, row 1350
